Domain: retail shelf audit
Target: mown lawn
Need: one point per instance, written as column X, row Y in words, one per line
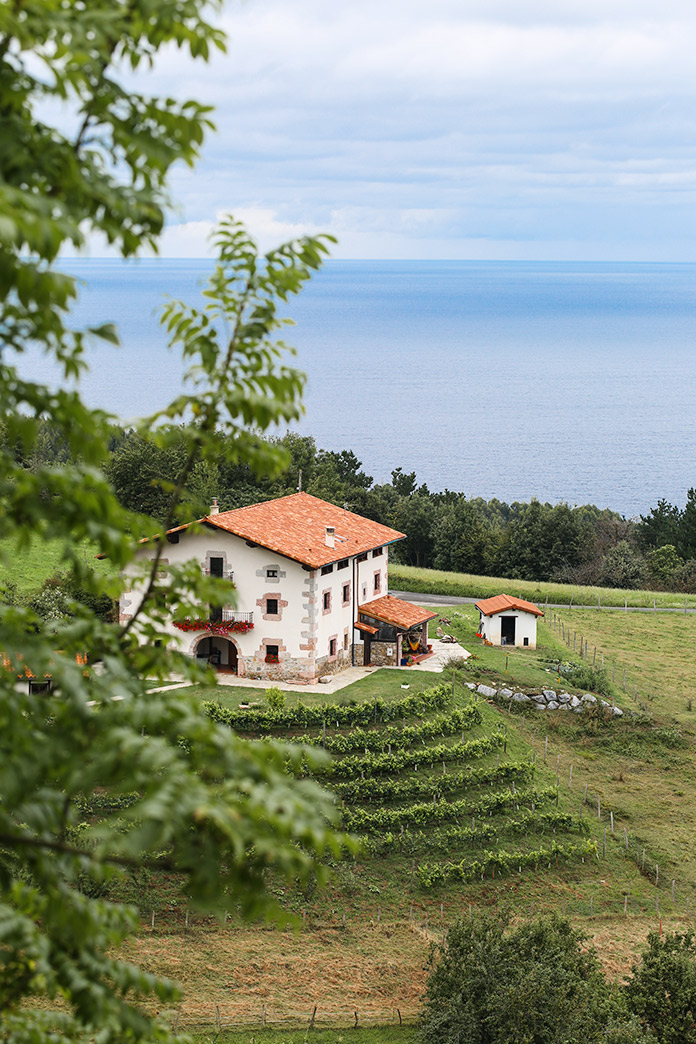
column 466, row 585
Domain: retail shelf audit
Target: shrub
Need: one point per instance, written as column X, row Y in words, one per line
column 662, row 989
column 275, row 698
column 530, row 984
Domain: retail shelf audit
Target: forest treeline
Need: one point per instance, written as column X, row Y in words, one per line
column 444, row 530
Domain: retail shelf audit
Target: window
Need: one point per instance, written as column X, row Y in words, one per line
column 327, row 600
column 326, row 569
column 377, row 582
column 343, row 564
column 345, row 642
column 377, row 552
column 271, row 574
column 272, row 653
column 346, row 594
column 526, row 641
column 216, row 565
column 36, row 688
column 271, row 606
column 362, row 557
column 332, row 647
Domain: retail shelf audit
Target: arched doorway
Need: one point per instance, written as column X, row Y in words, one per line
column 220, row 653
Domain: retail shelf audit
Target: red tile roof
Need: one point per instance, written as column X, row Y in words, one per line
column 395, row 611
column 295, row 526
column 499, row 603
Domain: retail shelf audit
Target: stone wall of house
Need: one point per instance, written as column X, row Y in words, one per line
column 326, row 665
column 383, row 654
column 289, row 669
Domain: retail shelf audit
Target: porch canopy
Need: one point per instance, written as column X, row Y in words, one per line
column 387, row 618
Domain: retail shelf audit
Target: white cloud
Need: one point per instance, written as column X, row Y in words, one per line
column 402, row 125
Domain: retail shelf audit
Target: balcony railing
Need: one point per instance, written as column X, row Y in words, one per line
column 232, row 614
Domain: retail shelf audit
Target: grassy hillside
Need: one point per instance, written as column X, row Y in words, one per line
column 361, row 943
column 29, row 566
column 466, row 585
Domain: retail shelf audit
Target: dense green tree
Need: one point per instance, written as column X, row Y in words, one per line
column 663, row 562
column 212, row 811
column 533, row 984
column 660, row 526
column 662, row 988
column 623, row 566
column 462, row 539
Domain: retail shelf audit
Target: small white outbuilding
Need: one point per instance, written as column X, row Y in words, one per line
column 508, row 621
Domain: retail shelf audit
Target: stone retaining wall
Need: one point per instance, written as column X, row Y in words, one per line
column 548, row 699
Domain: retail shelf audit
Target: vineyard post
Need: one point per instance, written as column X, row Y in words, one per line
column 626, row 837
column 546, row 748
column 153, row 920
column 604, row 844
column 314, row 1015
column 263, row 1015
column 657, row 874
column 217, row 1017
column 570, row 779
column 625, row 904
column 586, row 789
column 611, row 820
column 599, row 809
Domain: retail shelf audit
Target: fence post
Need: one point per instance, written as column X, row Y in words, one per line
column 217, row 1017
column 263, row 1015
column 314, row 1015
column 625, row 904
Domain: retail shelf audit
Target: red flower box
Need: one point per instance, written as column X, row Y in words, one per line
column 219, row 627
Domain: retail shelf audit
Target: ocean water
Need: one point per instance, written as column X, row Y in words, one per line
column 572, row 382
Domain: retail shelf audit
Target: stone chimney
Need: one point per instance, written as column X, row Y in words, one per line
column 330, row 538
column 214, row 509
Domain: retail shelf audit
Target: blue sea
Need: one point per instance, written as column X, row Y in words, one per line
column 571, row 382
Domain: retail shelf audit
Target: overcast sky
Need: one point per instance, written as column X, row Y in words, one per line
column 504, row 129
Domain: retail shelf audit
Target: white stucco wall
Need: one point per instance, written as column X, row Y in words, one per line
column 525, row 627
column 301, row 629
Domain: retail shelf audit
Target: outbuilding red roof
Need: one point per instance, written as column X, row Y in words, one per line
column 499, row 603
column 295, row 526
column 395, row 611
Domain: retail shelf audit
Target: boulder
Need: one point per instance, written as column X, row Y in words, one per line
column 552, row 705
column 575, row 702
column 539, row 697
column 519, row 697
column 549, row 694
column 563, row 697
column 507, row 693
column 538, row 705
column 486, row 690
column 579, row 709
column 588, row 698
column 471, row 685
column 617, row 712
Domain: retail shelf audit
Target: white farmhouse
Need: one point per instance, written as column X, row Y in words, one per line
column 308, row 591
column 508, row 621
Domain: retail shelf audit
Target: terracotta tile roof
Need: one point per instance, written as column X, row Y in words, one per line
column 295, row 526
column 498, row 603
column 396, row 612
column 362, row 626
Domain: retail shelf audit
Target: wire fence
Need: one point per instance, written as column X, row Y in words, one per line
column 316, row 1017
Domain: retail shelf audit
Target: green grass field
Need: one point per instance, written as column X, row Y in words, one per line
column 29, row 566
column 465, row 585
